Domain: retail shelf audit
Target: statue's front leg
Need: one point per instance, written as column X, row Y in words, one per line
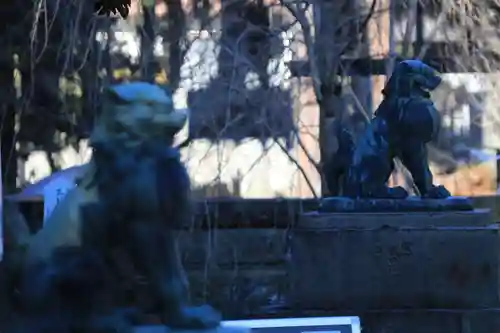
column 414, row 158
column 156, row 253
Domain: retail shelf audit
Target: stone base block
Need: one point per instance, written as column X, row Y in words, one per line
column 491, row 202
column 411, row 204
column 395, row 260
column 432, row 321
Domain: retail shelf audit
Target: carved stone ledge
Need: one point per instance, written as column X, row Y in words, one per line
column 395, row 260
column 411, row 204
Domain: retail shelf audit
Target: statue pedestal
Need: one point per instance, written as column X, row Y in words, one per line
column 164, row 329
column 395, row 260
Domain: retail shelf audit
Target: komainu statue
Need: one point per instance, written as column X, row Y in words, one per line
column 403, row 124
column 134, row 192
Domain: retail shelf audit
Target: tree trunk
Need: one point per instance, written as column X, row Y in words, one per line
column 176, row 27
column 330, row 37
column 148, row 63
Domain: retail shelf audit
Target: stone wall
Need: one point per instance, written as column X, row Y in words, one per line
column 237, row 255
column 431, row 277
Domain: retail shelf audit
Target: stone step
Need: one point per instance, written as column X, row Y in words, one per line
column 232, row 247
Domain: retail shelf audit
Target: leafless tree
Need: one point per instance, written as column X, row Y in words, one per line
column 254, row 84
column 322, row 34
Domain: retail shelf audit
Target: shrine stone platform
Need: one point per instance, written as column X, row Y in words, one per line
column 366, row 261
column 411, row 204
column 164, row 329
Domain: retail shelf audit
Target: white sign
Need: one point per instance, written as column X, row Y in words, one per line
column 282, row 325
column 53, row 193
column 300, row 325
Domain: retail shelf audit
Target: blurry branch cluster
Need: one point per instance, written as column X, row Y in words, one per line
column 233, row 63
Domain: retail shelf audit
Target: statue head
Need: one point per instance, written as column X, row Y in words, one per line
column 136, row 112
column 412, row 77
column 132, row 150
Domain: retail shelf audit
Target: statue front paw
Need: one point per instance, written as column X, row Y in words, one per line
column 386, row 192
column 437, row 192
column 397, row 192
column 195, row 317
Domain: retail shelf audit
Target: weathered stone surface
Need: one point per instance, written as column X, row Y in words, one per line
column 431, row 321
column 377, row 220
column 232, row 248
column 484, row 321
column 380, row 261
column 397, row 321
column 224, row 212
column 412, row 204
column 491, row 202
column 249, row 213
column 163, row 329
column 239, row 292
column 238, row 271
column 413, row 322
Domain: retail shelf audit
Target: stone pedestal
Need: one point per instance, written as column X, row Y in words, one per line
column 432, row 321
column 417, row 260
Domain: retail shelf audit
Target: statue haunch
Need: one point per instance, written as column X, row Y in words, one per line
column 403, row 124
